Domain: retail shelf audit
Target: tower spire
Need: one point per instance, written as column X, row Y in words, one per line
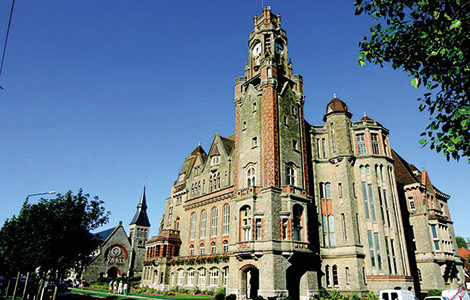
column 140, row 217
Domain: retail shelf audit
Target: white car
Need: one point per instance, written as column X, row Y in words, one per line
column 396, row 295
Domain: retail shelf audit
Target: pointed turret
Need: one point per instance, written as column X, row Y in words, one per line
column 140, row 217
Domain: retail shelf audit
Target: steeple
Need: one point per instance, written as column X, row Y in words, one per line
column 140, row 217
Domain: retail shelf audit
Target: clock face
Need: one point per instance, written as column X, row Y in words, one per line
column 257, row 49
column 278, row 47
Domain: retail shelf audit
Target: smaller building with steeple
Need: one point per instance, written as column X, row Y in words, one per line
column 119, row 254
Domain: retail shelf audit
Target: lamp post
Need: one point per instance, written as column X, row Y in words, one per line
column 27, row 274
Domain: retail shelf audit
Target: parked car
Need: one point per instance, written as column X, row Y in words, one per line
column 436, row 298
column 396, row 295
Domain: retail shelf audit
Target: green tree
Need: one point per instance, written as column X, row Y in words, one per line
column 461, row 242
column 429, row 40
column 52, row 235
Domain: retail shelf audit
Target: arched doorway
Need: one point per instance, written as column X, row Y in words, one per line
column 113, row 272
column 249, row 281
column 293, row 276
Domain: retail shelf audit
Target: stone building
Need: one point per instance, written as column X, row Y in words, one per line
column 118, row 254
column 430, row 233
column 283, row 207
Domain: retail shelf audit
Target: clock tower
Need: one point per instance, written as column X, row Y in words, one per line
column 271, row 174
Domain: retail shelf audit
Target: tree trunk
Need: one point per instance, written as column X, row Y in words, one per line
column 25, row 286
column 16, row 286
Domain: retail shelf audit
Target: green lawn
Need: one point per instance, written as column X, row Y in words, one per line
column 105, row 294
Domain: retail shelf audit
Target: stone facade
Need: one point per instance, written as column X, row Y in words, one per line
column 118, row 254
column 283, row 207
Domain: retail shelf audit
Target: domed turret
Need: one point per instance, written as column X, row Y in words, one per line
column 336, row 106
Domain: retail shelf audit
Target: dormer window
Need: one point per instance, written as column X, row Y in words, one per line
column 215, row 160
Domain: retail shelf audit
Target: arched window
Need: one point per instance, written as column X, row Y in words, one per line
column 202, row 249
column 191, row 250
column 250, row 177
column 328, row 190
column 193, row 226
column 202, row 233
column 297, row 222
column 225, row 273
column 335, row 275
column 225, row 246
column 191, row 276
column 226, row 220
column 214, row 276
column 213, row 248
column 327, row 275
column 202, row 277
column 181, row 277
column 290, row 175
column 245, row 218
column 214, row 222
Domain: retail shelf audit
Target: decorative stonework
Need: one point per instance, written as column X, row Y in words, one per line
column 270, row 141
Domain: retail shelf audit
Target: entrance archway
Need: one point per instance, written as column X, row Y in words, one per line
column 113, row 272
column 249, row 281
column 293, row 276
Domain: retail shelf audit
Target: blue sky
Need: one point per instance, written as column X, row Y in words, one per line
column 113, row 95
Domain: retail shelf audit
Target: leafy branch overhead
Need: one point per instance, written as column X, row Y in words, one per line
column 429, row 40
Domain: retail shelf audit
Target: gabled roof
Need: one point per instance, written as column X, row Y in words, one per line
column 103, row 235
column 140, row 217
column 464, row 253
column 229, row 143
column 403, row 173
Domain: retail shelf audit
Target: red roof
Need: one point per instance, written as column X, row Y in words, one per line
column 336, row 105
column 464, row 253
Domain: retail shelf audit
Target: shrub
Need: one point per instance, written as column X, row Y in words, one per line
column 220, row 291
column 371, row 296
column 231, row 297
column 434, row 292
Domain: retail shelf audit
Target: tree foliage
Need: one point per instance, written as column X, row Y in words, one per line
column 429, row 40
column 461, row 242
column 52, row 235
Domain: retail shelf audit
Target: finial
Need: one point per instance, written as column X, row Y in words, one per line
column 365, row 114
column 120, row 223
column 334, row 95
column 199, row 143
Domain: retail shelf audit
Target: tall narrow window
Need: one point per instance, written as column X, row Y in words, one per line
column 324, row 230
column 377, row 250
column 348, row 276
column 411, row 201
column 371, row 201
column 361, row 144
column 202, row 277
column 392, row 246
column 340, row 190
column 371, row 248
column 381, row 205
column 375, row 143
column 366, row 200
column 215, row 276
column 258, row 229
column 193, row 226
column 226, row 220
column 295, row 145
column 327, row 275
column 357, row 229
column 319, row 149
column 333, row 142
column 191, row 274
column 225, row 246
column 345, row 235
column 250, row 177
column 290, row 175
column 323, row 146
column 389, row 260
column 297, row 223
column 386, row 207
column 331, row 228
column 328, row 190
column 335, row 275
column 245, row 216
column 202, row 249
column 202, row 233
column 214, row 222
column 191, row 250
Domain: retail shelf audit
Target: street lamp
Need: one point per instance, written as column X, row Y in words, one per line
column 40, row 194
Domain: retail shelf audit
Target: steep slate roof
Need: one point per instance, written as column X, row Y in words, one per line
column 366, row 118
column 140, row 217
column 103, row 235
column 228, row 143
column 403, row 173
